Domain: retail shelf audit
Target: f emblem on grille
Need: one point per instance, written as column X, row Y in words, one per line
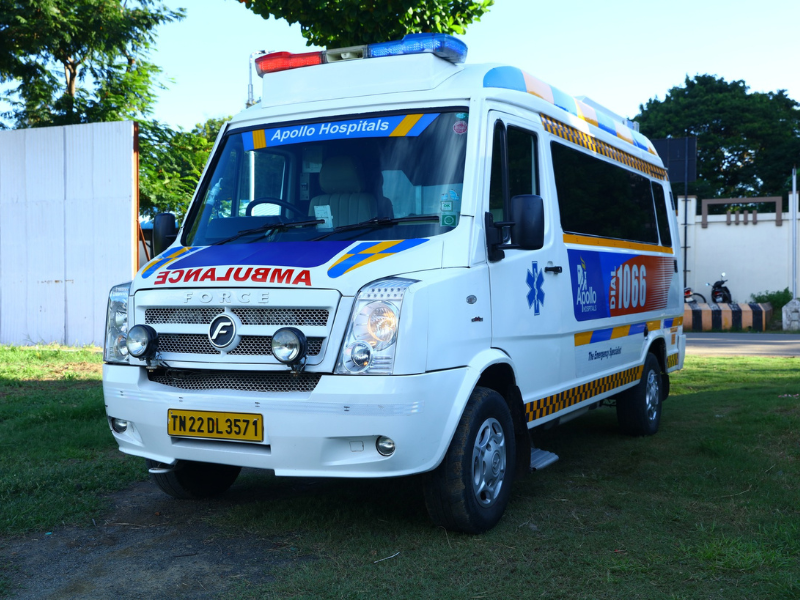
column 222, row 331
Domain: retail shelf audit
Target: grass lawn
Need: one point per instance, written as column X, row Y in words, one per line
column 708, row 508
column 57, row 455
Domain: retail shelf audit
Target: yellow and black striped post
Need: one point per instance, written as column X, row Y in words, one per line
column 726, row 317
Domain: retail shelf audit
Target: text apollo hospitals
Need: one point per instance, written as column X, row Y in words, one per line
column 329, row 129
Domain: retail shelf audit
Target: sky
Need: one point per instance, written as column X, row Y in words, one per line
column 620, row 53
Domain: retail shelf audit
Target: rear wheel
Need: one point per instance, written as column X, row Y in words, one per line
column 639, row 408
column 194, row 480
column 470, row 490
column 698, row 298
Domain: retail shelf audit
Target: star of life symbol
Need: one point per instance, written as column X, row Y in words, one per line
column 535, row 280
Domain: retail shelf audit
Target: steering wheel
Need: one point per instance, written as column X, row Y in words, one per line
column 269, row 200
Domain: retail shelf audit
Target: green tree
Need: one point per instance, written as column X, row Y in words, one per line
column 746, row 142
column 79, row 61
column 170, row 164
column 342, row 23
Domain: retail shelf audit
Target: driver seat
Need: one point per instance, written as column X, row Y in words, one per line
column 343, row 187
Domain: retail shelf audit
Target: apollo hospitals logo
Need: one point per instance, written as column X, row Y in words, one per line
column 585, row 295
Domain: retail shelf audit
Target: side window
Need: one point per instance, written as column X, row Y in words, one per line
column 522, row 171
column 661, row 214
column 496, row 193
column 522, row 175
column 598, row 198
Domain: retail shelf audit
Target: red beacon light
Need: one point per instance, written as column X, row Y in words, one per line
column 283, row 61
column 442, row 45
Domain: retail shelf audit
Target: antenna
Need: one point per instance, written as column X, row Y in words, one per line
column 250, row 100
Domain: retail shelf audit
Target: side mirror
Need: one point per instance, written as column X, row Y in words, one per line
column 527, row 212
column 164, row 232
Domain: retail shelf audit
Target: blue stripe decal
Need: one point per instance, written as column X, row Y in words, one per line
column 640, row 140
column 602, row 335
column 668, row 323
column 509, row 78
column 564, row 101
column 606, row 123
column 637, row 329
column 364, row 251
column 278, row 254
column 422, row 124
column 165, row 258
column 247, row 141
column 375, row 127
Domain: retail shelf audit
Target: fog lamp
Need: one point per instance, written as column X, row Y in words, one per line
column 385, row 446
column 119, row 425
column 289, row 345
column 142, row 341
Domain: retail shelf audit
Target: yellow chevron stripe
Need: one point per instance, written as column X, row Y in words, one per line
column 405, row 125
column 259, row 139
column 653, row 325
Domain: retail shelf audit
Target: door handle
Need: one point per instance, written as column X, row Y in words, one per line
column 552, row 270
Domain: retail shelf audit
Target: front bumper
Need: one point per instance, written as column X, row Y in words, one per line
column 329, row 432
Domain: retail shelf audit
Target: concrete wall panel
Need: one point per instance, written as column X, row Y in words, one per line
column 67, row 217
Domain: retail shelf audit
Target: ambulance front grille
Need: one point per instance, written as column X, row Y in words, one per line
column 250, row 345
column 188, row 316
column 243, row 381
column 284, row 317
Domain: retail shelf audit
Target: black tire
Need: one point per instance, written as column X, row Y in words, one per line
column 698, row 298
column 639, row 408
column 195, row 480
column 452, row 499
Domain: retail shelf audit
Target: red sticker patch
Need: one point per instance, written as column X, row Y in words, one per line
column 460, row 127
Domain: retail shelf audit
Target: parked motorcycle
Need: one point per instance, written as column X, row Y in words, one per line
column 720, row 293
column 690, row 297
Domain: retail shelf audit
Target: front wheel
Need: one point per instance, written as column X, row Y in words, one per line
column 639, row 408
column 195, row 480
column 470, row 489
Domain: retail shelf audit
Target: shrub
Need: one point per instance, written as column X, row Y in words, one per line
column 777, row 299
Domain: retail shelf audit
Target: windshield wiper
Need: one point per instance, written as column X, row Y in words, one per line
column 268, row 227
column 377, row 222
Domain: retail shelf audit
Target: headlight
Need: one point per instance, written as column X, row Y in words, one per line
column 370, row 340
column 116, row 349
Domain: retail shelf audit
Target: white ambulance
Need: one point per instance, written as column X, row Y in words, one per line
column 397, row 263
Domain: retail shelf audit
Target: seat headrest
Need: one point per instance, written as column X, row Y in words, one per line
column 340, row 175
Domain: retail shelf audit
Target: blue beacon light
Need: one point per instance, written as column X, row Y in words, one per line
column 439, row 44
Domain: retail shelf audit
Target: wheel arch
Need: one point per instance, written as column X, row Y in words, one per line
column 501, row 378
column 493, row 369
column 658, row 347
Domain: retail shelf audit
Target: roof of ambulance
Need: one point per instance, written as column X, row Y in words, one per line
column 397, row 82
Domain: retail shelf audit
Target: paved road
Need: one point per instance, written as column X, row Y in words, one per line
column 743, row 344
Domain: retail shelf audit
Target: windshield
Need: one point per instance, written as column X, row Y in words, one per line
column 401, row 176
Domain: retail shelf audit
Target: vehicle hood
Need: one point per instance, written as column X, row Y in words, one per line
column 345, row 266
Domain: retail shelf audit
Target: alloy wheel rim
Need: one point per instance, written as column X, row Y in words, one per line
column 488, row 462
column 652, row 395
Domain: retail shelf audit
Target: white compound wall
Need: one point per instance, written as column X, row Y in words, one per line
column 68, row 205
column 754, row 257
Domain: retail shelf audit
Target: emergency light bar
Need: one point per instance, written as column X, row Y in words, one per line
column 442, row 45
